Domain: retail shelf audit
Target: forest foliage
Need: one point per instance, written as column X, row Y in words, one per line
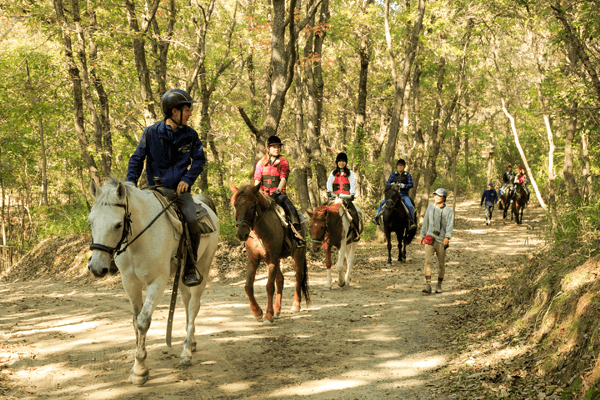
column 434, row 82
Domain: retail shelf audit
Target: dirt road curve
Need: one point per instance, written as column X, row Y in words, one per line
column 379, row 338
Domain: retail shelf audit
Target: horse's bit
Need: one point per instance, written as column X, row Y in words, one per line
column 320, row 241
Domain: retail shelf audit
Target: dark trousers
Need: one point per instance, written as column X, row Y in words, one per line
column 288, row 206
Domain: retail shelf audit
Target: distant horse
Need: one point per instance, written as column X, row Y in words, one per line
column 505, row 199
column 329, row 226
column 259, row 226
column 520, row 201
column 121, row 210
column 396, row 219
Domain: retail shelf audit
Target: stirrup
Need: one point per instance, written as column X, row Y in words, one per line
column 192, row 277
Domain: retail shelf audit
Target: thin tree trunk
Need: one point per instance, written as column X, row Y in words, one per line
column 399, row 82
column 77, row 94
column 570, row 180
column 586, row 173
column 522, row 153
column 3, row 201
column 161, row 48
column 44, row 165
column 138, row 38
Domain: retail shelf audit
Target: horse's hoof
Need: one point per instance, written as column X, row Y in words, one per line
column 388, row 265
column 259, row 317
column 139, row 380
column 341, row 283
column 267, row 322
column 186, row 361
column 277, row 314
column 295, row 310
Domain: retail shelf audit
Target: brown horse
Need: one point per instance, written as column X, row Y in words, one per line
column 259, row 226
column 329, row 226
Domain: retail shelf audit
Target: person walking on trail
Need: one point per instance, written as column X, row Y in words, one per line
column 271, row 172
column 490, row 197
column 405, row 181
column 342, row 183
column 436, row 233
column 174, row 158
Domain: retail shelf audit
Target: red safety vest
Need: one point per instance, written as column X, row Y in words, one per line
column 341, row 184
column 270, row 177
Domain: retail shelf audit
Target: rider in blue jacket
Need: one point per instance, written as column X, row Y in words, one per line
column 404, row 179
column 169, row 148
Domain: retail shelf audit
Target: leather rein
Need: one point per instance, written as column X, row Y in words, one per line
column 127, row 230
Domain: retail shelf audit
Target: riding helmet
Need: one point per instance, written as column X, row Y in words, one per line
column 401, row 162
column 341, row 157
column 521, row 168
column 441, row 192
column 273, row 140
column 174, row 98
column 491, row 184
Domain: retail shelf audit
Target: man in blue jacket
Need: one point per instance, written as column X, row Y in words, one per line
column 173, row 152
column 405, row 181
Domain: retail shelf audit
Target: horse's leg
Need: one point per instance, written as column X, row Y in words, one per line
column 133, row 288
column 340, row 263
column 191, row 300
column 139, row 372
column 388, row 237
column 399, row 237
column 299, row 262
column 279, row 292
column 251, row 266
column 350, row 253
column 327, row 249
column 273, row 268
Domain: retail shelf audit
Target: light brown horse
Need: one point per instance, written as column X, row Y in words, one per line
column 259, row 226
column 329, row 226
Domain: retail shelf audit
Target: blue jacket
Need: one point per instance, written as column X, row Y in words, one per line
column 490, row 197
column 168, row 155
column 405, row 178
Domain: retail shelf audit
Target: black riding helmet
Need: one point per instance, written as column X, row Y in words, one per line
column 341, row 157
column 175, row 98
column 273, row 140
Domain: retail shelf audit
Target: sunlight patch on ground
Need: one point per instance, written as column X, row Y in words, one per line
column 77, row 327
column 235, row 386
column 321, row 386
column 428, row 363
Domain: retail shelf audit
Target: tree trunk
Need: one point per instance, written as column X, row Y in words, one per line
column 302, row 169
column 399, row 82
column 44, row 165
column 418, row 152
column 3, row 201
column 138, row 39
column 522, row 153
column 77, row 94
column 570, row 180
column 160, row 47
column 586, row 172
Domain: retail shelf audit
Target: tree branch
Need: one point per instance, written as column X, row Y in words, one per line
column 249, row 123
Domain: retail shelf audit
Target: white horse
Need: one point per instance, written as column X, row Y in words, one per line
column 329, row 226
column 148, row 262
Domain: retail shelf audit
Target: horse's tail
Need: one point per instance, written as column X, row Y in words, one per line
column 208, row 201
column 304, row 283
column 409, row 236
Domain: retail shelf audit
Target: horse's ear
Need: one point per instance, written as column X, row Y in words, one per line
column 121, row 191
column 232, row 187
column 94, row 189
column 256, row 187
column 309, row 213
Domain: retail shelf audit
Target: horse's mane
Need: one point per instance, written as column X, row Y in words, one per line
column 320, row 211
column 112, row 182
column 261, row 199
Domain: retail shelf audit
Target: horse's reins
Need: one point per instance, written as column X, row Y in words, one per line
column 249, row 225
column 127, row 229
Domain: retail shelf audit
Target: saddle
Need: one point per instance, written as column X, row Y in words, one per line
column 291, row 234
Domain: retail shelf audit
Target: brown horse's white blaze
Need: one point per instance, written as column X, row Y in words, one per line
column 329, row 227
column 259, row 226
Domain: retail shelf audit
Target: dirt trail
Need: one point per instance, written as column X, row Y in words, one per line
column 378, row 338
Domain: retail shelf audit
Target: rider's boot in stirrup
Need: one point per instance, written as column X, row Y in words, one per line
column 191, row 276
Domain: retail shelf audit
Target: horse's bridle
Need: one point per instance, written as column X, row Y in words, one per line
column 317, row 241
column 126, row 231
column 250, row 225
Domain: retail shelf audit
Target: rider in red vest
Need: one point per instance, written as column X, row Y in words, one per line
column 271, row 173
column 342, row 183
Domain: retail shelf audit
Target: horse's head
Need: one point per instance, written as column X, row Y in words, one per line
column 318, row 226
column 392, row 194
column 109, row 220
column 246, row 201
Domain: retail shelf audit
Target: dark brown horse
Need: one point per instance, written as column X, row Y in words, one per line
column 329, row 227
column 520, row 198
column 259, row 226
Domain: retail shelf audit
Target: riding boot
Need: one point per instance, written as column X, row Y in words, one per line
column 300, row 242
column 191, row 276
column 376, row 219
